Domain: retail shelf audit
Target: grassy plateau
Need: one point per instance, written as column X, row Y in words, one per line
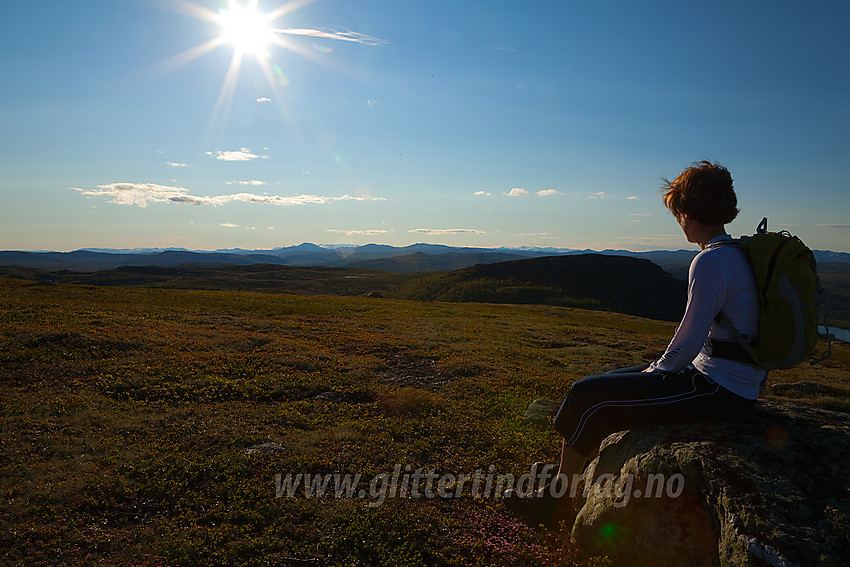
column 130, row 419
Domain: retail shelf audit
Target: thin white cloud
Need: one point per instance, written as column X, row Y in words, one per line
column 367, row 232
column 481, row 194
column 827, row 225
column 142, row 194
column 597, row 195
column 264, row 99
column 339, row 34
column 433, row 231
column 243, row 154
column 649, row 242
column 516, row 192
column 632, row 197
column 139, row 194
column 251, row 182
column 228, row 225
column 176, row 164
column 547, row 192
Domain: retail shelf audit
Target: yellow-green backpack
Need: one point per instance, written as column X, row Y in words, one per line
column 786, row 275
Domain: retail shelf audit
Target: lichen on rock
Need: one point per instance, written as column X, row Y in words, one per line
column 772, row 490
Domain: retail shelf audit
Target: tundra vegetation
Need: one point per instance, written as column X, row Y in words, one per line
column 127, row 415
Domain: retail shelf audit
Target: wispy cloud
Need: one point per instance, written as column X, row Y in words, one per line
column 139, row 194
column 597, row 195
column 228, row 225
column 650, row 242
column 547, row 192
column 516, row 192
column 251, row 182
column 243, row 154
column 338, row 34
column 176, row 164
column 264, row 99
column 367, row 232
column 481, row 194
column 827, row 225
column 142, row 194
column 277, row 200
column 632, row 198
column 433, row 231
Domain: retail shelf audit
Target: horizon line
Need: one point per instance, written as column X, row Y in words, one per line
column 327, row 246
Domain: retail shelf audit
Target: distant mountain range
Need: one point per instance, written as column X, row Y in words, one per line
column 398, row 259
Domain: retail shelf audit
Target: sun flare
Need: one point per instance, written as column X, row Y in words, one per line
column 250, row 33
column 245, row 28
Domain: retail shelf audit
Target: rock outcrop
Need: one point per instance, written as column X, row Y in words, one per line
column 541, row 411
column 772, row 490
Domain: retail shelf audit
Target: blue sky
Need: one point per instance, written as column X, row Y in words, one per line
column 463, row 123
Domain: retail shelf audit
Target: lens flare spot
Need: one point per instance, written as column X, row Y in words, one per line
column 608, row 531
column 777, row 437
column 322, row 48
column 282, row 79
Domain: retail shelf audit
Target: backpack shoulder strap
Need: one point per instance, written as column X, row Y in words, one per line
column 747, row 342
column 736, row 242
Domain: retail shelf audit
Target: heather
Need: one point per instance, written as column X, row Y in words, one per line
column 128, row 416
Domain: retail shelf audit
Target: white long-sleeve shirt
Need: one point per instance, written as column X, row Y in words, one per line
column 719, row 278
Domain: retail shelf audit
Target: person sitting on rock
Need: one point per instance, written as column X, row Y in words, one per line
column 691, row 382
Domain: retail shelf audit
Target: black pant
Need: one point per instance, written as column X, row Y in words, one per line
column 597, row 406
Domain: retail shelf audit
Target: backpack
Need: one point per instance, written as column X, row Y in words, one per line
column 786, row 275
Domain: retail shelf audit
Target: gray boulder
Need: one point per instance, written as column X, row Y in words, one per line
column 772, row 490
column 541, row 411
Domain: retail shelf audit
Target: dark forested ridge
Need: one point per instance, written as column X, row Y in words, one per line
column 614, row 283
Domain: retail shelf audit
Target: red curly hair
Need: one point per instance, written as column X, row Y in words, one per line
column 702, row 192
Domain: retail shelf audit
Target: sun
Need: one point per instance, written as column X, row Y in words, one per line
column 246, row 29
column 251, row 34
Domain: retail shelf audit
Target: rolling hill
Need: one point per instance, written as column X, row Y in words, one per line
column 614, row 283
